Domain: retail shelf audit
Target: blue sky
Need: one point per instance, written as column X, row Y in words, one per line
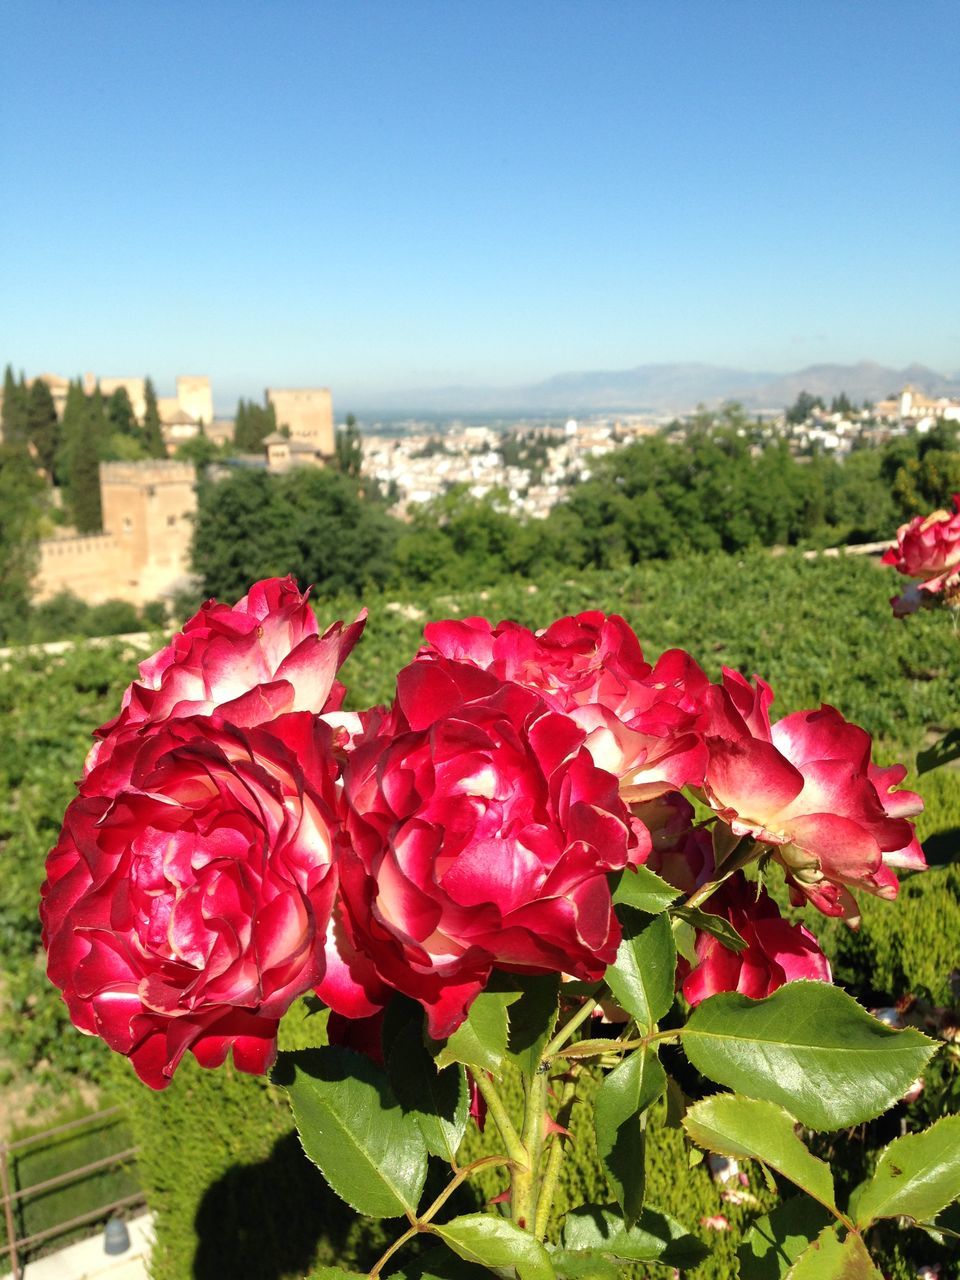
column 402, row 194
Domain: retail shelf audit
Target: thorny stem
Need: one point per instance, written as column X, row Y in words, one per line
column 624, row 1046
column 525, row 1181
column 511, row 1139
column 548, row 1186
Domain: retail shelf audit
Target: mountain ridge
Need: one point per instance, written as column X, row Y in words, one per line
column 668, row 388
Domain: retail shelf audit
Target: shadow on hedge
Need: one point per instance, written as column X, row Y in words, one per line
column 274, row 1219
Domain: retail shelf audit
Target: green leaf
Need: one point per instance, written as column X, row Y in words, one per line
column 716, row 926
column 685, row 940
column 532, row 1020
column 943, row 752
column 439, row 1264
column 440, row 1100
column 335, row 1273
column 584, row 1264
column 916, row 1176
column 642, row 976
column 620, row 1125
column 655, row 1237
column 811, row 1048
column 745, row 1127
column 481, row 1040
column 642, row 888
column 829, row 1259
column 351, row 1126
column 775, row 1241
column 493, row 1241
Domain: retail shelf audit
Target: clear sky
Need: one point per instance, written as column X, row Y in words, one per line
column 398, row 194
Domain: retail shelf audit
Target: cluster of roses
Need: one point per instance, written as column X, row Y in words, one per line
column 239, row 840
column 928, row 548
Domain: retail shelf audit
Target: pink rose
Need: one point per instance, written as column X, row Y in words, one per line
column 807, row 788
column 640, row 720
column 252, row 661
column 927, row 546
column 777, row 952
column 482, row 835
column 187, row 907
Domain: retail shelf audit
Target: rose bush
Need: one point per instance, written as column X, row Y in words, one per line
column 187, row 907
column 464, row 878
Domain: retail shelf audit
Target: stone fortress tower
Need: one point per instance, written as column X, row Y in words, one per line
column 307, row 414
column 144, row 551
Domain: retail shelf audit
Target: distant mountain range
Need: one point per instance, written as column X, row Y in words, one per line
column 663, row 389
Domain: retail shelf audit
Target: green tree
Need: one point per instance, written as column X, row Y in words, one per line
column 43, row 426
column 15, row 429
column 310, row 522
column 802, row 407
column 86, row 453
column 21, row 510
column 348, row 451
column 152, row 433
column 119, row 413
column 254, row 422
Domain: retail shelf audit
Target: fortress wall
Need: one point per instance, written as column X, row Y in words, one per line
column 91, row 566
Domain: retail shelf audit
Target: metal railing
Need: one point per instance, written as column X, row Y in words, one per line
column 16, row 1244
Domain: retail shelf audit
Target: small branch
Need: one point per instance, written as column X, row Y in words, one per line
column 551, row 1175
column 736, row 859
column 397, row 1244
column 568, row 1028
column 523, row 1203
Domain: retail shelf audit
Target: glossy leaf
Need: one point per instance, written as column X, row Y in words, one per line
column 440, row 1100
column 830, row 1259
column 481, row 1041
column 584, row 1264
column 654, row 1237
column 716, row 926
column 620, row 1126
column 809, row 1047
column 532, row 1020
column 352, row 1127
column 439, row 1264
column 492, row 1241
column 642, row 976
column 775, row 1241
column 755, row 1130
column 643, row 889
column 916, row 1176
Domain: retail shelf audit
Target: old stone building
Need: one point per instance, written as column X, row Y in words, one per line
column 144, row 550
column 308, row 413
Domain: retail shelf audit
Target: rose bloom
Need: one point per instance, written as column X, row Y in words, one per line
column 927, row 546
column 253, row 661
column 776, row 952
column 482, row 834
column 807, row 788
column 640, row 720
column 187, row 907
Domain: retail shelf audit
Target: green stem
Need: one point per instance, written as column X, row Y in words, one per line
column 397, row 1244
column 526, row 1181
column 551, row 1175
column 568, row 1028
column 511, row 1139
